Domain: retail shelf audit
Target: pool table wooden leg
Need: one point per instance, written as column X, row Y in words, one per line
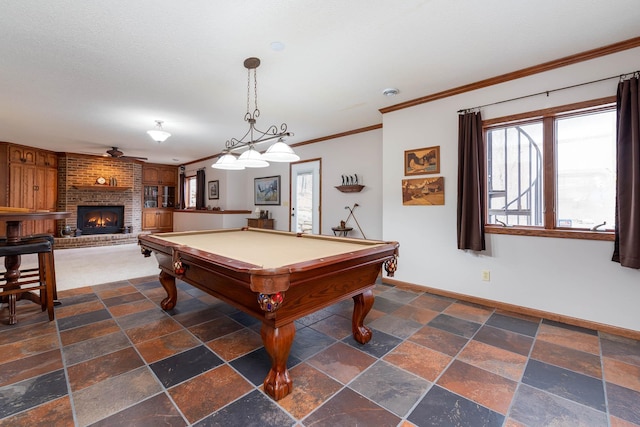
column 168, row 282
column 277, row 342
column 362, row 304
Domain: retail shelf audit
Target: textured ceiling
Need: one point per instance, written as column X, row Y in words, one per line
column 82, row 76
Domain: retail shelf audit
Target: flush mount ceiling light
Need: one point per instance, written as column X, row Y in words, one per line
column 251, row 158
column 390, row 91
column 158, row 134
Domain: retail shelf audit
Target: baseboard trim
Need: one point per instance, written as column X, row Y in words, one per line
column 615, row 330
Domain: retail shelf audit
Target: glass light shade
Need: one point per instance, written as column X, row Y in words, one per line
column 280, row 152
column 227, row 162
column 158, row 135
column 252, row 159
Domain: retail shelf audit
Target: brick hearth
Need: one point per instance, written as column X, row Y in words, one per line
column 95, row 240
column 77, row 175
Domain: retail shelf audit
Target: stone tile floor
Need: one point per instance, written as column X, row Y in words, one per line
column 114, row 358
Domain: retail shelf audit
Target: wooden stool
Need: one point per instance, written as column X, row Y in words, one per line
column 16, row 284
column 52, row 267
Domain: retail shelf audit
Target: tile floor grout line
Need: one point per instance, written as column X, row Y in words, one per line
column 164, row 390
column 604, row 378
column 520, row 383
column 66, row 373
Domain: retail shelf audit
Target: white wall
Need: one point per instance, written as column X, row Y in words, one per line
column 359, row 154
column 571, row 277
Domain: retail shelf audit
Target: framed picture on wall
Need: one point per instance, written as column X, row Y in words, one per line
column 267, row 190
column 423, row 191
column 422, row 161
column 214, row 192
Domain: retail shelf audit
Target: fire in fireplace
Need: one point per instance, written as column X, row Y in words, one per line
column 101, row 219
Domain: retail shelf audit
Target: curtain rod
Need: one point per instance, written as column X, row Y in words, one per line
column 547, row 92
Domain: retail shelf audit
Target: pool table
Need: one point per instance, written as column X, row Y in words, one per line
column 275, row 276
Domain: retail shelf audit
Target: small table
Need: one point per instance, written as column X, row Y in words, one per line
column 14, row 226
column 341, row 230
column 266, row 223
column 276, row 277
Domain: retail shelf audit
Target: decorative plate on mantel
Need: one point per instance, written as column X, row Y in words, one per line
column 101, row 181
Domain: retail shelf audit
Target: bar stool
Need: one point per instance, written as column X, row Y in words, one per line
column 17, row 283
column 52, row 267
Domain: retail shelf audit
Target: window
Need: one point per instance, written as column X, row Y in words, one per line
column 553, row 169
column 514, row 177
column 190, row 199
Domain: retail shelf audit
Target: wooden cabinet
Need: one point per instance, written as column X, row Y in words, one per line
column 22, row 185
column 46, row 158
column 159, row 174
column 158, row 196
column 157, row 219
column 21, row 154
column 31, row 182
column 260, row 223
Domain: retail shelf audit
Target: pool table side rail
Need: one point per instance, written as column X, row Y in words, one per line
column 305, row 290
column 387, row 249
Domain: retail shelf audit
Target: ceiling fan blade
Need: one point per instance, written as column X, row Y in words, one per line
column 118, row 154
column 133, row 157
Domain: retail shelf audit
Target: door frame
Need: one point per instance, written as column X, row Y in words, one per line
column 319, row 160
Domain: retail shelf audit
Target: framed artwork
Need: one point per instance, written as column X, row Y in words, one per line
column 214, row 192
column 267, row 190
column 422, row 161
column 423, row 191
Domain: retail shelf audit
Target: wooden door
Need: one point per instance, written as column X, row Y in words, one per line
column 45, row 158
column 150, row 175
column 165, row 220
column 16, row 185
column 51, row 189
column 45, row 197
column 168, row 176
column 22, row 184
column 149, row 219
column 21, row 154
column 22, row 189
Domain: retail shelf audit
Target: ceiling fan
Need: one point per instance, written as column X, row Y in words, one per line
column 117, row 154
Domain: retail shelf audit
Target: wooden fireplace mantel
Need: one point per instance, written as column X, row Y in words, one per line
column 100, row 187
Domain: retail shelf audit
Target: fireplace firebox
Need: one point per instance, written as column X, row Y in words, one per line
column 101, row 219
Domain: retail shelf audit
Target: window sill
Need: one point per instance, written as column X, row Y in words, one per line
column 560, row 234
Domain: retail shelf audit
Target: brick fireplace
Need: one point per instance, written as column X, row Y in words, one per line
column 77, row 186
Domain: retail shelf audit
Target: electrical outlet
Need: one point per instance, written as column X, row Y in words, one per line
column 486, row 275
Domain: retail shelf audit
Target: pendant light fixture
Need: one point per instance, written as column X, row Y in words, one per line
column 251, row 158
column 158, row 134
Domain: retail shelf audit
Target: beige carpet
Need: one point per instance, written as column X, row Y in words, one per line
column 80, row 267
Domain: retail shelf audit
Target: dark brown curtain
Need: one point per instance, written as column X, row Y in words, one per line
column 626, row 249
column 471, row 187
column 200, row 189
column 181, row 183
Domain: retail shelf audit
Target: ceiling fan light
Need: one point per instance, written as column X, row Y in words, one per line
column 252, row 159
column 158, row 135
column 280, row 152
column 227, row 162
